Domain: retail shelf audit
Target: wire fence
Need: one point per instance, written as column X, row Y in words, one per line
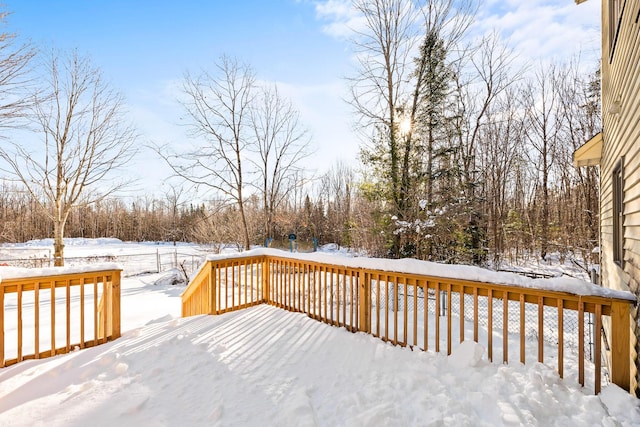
column 416, row 302
column 133, row 264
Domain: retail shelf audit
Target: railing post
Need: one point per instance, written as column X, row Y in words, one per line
column 266, row 277
column 620, row 345
column 365, row 301
column 1, row 326
column 115, row 304
column 213, row 290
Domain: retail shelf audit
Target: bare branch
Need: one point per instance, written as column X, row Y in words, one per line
column 85, row 139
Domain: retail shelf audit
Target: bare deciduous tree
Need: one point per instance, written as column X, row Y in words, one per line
column 281, row 143
column 493, row 66
column 500, row 150
column 541, row 98
column 338, row 187
column 85, row 138
column 579, row 98
column 478, row 124
column 218, row 111
column 251, row 137
column 174, row 201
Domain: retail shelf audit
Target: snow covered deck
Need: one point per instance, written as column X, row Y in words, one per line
column 425, row 305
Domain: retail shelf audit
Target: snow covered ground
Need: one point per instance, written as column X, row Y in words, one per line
column 266, row 366
column 135, row 258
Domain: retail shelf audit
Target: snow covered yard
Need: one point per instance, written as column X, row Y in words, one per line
column 266, row 366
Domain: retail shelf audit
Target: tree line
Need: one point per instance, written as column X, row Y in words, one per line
column 469, row 154
column 466, row 156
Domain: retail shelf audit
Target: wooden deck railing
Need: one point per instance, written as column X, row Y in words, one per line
column 79, row 309
column 226, row 285
column 420, row 310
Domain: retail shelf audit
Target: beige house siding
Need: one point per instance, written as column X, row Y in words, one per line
column 621, row 140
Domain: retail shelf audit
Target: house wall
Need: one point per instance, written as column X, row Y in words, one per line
column 621, row 139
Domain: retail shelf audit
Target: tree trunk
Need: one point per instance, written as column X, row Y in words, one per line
column 245, row 229
column 58, row 243
column 545, row 203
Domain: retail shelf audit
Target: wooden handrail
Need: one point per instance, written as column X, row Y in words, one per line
column 98, row 295
column 386, row 304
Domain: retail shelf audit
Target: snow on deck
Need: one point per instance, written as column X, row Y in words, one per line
column 450, row 271
column 21, row 273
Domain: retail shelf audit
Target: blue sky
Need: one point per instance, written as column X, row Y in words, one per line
column 132, row 39
column 144, row 47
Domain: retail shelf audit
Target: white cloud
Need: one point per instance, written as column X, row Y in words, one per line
column 340, row 17
column 339, row 9
column 535, row 29
column 543, row 29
